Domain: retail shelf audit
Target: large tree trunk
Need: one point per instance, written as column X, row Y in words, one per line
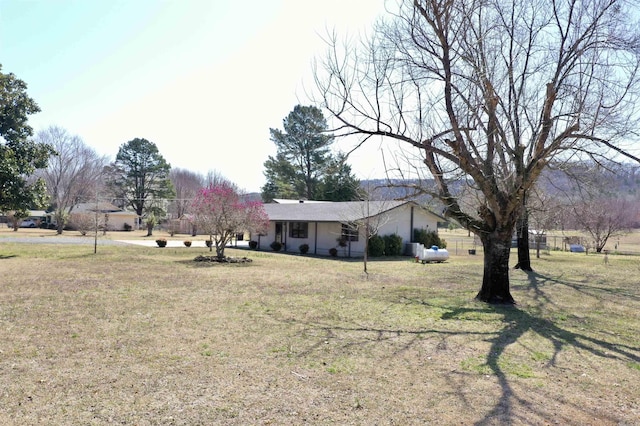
column 495, row 282
column 524, row 256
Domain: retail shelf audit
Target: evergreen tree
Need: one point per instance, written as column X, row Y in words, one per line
column 140, row 176
column 304, row 166
column 339, row 184
column 20, row 157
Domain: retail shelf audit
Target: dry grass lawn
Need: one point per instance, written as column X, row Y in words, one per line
column 145, row 336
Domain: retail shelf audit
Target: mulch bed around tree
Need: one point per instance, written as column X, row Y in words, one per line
column 222, row 259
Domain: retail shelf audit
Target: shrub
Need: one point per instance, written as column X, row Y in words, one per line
column 276, row 246
column 187, row 243
column 392, row 245
column 82, row 222
column 208, row 243
column 333, row 251
column 127, row 227
column 253, row 245
column 304, row 248
column 161, row 242
column 428, row 238
column 376, row 246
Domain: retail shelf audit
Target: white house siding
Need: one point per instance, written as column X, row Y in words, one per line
column 328, row 234
column 398, row 221
column 117, row 220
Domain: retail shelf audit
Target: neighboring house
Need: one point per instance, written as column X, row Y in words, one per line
column 182, row 225
column 115, row 218
column 37, row 216
column 323, row 225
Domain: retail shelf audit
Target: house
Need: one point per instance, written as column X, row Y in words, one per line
column 113, row 217
column 36, row 217
column 341, row 225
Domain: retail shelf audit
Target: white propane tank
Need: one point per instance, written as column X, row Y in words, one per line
column 434, row 254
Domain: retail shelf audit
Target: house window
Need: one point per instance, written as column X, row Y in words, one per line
column 299, row 230
column 349, row 232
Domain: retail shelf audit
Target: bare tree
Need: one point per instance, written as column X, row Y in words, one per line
column 215, row 178
column 489, row 92
column 88, row 222
column 602, row 218
column 544, row 213
column 595, row 204
column 73, row 175
column 365, row 221
column 186, row 184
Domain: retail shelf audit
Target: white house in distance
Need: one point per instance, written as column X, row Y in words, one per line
column 322, row 225
column 114, row 217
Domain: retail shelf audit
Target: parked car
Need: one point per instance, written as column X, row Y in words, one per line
column 576, row 248
column 29, row 223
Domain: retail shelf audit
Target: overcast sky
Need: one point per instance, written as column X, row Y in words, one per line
column 202, row 79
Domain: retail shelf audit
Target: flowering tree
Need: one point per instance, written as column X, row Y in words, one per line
column 220, row 212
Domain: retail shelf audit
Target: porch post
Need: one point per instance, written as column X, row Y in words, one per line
column 315, row 239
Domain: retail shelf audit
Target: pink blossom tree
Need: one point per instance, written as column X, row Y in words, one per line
column 220, row 212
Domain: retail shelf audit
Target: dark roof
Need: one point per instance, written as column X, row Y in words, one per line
column 348, row 211
column 93, row 207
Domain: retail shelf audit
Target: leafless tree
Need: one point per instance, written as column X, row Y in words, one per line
column 215, row 178
column 88, row 222
column 489, row 92
column 186, row 184
column 544, row 213
column 602, row 218
column 595, row 204
column 73, row 175
column 364, row 221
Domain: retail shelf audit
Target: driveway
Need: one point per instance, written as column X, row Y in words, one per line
column 179, row 243
column 61, row 239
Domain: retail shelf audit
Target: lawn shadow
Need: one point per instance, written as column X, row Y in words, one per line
column 516, row 322
column 9, row 256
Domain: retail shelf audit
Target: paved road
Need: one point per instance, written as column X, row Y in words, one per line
column 103, row 242
column 61, row 240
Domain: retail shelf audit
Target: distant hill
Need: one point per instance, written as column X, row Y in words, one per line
column 623, row 179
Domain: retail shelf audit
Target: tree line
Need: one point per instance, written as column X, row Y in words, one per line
column 57, row 170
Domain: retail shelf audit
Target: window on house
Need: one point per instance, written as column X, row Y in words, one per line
column 299, row 229
column 349, row 232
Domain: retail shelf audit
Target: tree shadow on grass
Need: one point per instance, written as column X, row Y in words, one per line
column 2, row 256
column 516, row 323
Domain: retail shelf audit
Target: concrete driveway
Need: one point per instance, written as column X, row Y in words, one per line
column 179, row 243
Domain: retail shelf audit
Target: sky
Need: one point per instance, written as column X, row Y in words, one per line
column 204, row 80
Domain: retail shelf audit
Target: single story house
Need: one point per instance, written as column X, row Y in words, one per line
column 37, row 216
column 112, row 216
column 341, row 225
